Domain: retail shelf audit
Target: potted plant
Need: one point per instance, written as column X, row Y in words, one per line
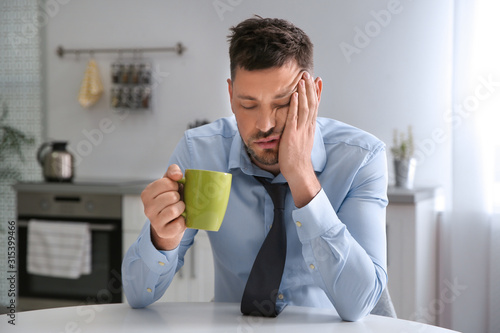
column 12, row 140
column 404, row 163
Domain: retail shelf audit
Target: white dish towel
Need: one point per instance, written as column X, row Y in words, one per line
column 59, row 249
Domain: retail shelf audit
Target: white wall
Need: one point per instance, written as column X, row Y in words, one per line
column 141, row 142
column 401, row 75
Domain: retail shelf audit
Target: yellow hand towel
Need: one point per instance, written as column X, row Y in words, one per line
column 91, row 88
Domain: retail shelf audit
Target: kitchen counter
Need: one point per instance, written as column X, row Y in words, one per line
column 131, row 187
column 82, row 186
column 405, row 196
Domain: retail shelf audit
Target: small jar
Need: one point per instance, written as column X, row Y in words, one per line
column 125, row 74
column 146, row 98
column 125, row 98
column 145, row 74
column 134, row 74
column 136, row 97
column 115, row 97
column 116, row 72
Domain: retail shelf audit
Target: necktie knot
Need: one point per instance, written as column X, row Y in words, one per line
column 277, row 192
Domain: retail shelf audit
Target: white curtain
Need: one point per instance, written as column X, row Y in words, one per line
column 474, row 222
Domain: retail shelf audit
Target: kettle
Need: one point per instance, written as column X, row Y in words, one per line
column 57, row 163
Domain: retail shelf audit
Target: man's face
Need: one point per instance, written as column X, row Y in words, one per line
column 260, row 101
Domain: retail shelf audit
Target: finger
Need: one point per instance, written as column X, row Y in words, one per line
column 166, row 199
column 174, row 227
column 171, row 212
column 156, row 188
column 153, row 208
column 291, row 120
column 312, row 99
column 312, row 103
column 174, row 172
column 303, row 108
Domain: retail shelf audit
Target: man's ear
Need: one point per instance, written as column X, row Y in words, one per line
column 230, row 90
column 319, row 87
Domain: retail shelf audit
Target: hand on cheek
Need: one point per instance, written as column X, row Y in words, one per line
column 297, row 142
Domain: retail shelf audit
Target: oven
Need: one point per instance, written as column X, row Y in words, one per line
column 103, row 213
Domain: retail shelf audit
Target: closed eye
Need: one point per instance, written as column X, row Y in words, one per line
column 283, row 106
column 248, row 107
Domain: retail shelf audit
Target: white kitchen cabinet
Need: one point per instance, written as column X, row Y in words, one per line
column 133, row 219
column 195, row 280
column 412, row 244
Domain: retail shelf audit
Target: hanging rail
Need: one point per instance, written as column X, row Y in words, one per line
column 179, row 49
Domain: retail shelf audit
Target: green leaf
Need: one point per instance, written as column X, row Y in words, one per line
column 5, row 111
column 10, row 173
column 12, row 139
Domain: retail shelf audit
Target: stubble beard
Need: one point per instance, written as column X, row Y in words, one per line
column 268, row 157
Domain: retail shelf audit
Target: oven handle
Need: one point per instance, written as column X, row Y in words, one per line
column 92, row 226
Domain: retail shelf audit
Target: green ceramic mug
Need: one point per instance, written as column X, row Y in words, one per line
column 206, row 194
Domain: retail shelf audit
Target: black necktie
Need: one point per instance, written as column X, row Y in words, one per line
column 259, row 297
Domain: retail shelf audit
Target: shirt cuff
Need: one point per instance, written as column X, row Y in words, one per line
column 160, row 262
column 316, row 218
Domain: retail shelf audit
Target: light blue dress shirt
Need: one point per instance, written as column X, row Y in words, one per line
column 336, row 255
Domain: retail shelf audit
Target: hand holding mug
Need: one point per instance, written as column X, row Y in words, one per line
column 163, row 207
column 206, row 194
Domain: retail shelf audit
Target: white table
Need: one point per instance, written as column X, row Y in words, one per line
column 198, row 317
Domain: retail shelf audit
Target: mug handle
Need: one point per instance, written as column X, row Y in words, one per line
column 183, row 182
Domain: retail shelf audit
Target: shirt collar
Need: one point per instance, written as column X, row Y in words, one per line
column 239, row 159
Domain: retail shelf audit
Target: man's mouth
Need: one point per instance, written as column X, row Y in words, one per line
column 269, row 142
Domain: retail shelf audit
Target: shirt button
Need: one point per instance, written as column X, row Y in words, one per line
column 298, row 224
column 280, row 296
column 149, row 290
column 311, row 266
column 161, row 263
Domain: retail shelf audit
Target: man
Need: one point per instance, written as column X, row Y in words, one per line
column 334, row 212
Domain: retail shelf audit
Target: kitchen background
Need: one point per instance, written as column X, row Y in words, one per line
column 385, row 64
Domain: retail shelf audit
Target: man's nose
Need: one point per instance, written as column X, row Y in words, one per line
column 266, row 120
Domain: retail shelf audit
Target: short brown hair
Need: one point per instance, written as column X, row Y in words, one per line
column 262, row 43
